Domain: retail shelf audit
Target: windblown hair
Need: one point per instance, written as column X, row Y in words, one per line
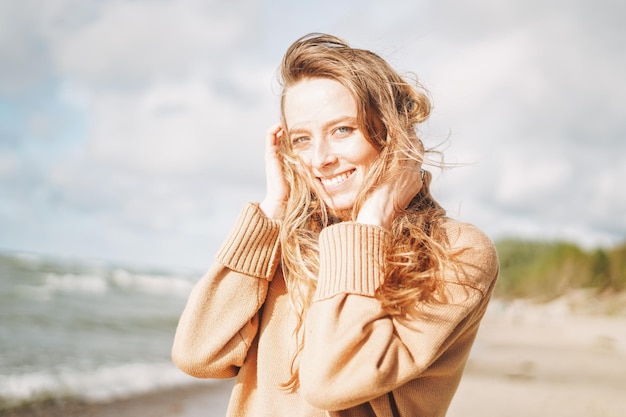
column 389, row 108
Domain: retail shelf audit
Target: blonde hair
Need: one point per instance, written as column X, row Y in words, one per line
column 388, row 110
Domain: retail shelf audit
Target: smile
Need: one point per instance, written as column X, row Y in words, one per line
column 338, row 179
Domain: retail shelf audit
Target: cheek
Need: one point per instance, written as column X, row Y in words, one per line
column 302, row 163
column 303, row 170
column 363, row 151
column 369, row 155
column 304, row 160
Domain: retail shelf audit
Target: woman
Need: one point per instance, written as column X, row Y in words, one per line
column 346, row 291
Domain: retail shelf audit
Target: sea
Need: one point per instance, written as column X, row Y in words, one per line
column 88, row 331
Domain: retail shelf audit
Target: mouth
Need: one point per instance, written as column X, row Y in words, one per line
column 337, row 179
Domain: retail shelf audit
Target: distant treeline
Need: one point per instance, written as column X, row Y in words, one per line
column 546, row 270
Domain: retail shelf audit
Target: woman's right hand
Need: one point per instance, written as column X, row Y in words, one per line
column 277, row 189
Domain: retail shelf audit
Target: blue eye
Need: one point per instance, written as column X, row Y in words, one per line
column 344, row 130
column 299, row 139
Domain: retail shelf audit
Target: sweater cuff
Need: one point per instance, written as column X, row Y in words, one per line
column 352, row 258
column 252, row 247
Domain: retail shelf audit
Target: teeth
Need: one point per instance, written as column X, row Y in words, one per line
column 337, row 179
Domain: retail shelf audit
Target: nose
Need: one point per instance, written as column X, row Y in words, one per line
column 323, row 155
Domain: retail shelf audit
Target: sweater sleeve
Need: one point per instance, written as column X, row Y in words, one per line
column 220, row 319
column 354, row 351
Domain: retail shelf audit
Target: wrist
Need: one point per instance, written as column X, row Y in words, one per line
column 374, row 218
column 271, row 209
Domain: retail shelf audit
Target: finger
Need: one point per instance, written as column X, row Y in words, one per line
column 274, row 134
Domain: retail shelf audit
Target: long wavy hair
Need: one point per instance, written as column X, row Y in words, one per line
column 389, row 108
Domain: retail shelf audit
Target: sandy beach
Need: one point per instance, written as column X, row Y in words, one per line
column 528, row 360
column 203, row 399
column 545, row 361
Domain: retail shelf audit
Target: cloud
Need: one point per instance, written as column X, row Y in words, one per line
column 138, row 125
column 165, row 101
column 131, row 43
column 530, row 96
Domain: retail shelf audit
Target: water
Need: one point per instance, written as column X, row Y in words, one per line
column 86, row 331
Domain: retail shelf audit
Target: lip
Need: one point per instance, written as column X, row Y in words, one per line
column 336, row 181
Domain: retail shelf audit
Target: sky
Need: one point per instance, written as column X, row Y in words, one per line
column 132, row 131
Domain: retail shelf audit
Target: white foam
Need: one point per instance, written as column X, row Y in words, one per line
column 66, row 283
column 153, row 284
column 101, row 384
column 84, row 283
column 95, row 283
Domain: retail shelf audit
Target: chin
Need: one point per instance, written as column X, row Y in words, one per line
column 341, row 209
column 339, row 203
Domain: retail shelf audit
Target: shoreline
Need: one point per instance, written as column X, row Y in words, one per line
column 528, row 359
column 208, row 399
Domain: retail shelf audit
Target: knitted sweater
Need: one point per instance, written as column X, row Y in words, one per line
column 357, row 360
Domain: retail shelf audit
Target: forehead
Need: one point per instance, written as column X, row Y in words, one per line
column 317, row 100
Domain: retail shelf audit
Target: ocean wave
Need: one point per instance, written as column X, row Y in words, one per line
column 103, row 282
column 154, row 284
column 102, row 384
column 54, row 283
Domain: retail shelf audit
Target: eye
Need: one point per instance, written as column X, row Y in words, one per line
column 344, row 130
column 299, row 140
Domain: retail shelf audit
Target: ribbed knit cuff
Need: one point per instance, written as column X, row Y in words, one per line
column 352, row 259
column 252, row 247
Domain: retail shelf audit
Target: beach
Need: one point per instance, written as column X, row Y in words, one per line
column 528, row 360
column 545, row 360
column 203, row 399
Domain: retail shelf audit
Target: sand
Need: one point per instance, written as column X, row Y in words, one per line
column 545, row 361
column 528, row 360
column 203, row 399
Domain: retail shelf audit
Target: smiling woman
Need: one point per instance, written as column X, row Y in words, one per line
column 347, row 291
column 327, row 141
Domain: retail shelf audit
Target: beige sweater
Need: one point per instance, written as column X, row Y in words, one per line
column 357, row 360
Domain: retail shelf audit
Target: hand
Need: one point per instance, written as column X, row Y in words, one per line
column 277, row 189
column 391, row 197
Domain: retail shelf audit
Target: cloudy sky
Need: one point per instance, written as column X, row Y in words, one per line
column 132, row 131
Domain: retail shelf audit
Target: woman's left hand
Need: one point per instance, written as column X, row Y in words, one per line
column 277, row 192
column 388, row 199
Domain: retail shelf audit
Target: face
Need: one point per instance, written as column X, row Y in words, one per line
column 321, row 119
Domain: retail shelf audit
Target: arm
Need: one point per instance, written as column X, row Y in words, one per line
column 354, row 351
column 220, row 319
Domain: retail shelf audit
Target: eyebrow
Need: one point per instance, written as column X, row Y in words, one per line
column 341, row 119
